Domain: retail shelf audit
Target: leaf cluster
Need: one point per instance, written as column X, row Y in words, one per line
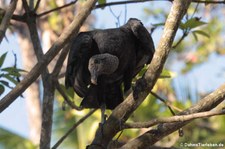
column 8, row 74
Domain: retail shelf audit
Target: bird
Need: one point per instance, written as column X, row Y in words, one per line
column 102, row 63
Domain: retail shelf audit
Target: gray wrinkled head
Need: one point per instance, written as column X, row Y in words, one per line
column 133, row 22
column 102, row 64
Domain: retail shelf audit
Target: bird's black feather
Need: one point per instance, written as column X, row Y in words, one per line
column 133, row 46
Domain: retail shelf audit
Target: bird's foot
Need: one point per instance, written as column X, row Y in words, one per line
column 101, row 125
column 139, row 87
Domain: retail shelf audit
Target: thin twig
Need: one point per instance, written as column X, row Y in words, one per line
column 124, row 2
column 167, row 103
column 115, row 16
column 185, row 33
column 142, row 1
column 209, row 2
column 72, row 128
column 6, row 19
column 70, row 103
column 25, row 5
column 180, row 118
column 56, row 9
column 37, row 5
column 60, row 61
column 164, row 77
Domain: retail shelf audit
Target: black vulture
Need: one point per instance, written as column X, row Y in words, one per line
column 100, row 61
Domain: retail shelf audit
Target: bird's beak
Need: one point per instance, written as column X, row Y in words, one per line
column 94, row 78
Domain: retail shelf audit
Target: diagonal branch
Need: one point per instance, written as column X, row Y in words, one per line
column 70, row 31
column 37, row 5
column 178, row 118
column 142, row 1
column 125, row 109
column 72, row 128
column 6, row 19
column 56, row 9
column 154, row 135
column 70, row 103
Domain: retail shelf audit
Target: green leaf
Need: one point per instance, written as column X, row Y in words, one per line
column 2, row 59
column 192, row 23
column 2, row 89
column 167, row 73
column 101, row 1
column 195, row 36
column 12, row 71
column 10, row 78
column 200, row 32
column 4, row 83
column 10, row 140
column 182, row 26
column 159, row 24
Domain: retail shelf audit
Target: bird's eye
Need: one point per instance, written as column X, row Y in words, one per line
column 96, row 61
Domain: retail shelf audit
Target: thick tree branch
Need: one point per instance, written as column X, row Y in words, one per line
column 154, row 135
column 6, row 19
column 178, row 118
column 125, row 109
column 70, row 31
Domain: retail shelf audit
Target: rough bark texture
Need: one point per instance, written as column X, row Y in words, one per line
column 124, row 110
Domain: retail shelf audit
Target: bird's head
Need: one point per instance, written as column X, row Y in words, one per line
column 102, row 64
column 132, row 22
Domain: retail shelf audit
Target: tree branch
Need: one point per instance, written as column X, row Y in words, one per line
column 72, row 129
column 125, row 109
column 125, row 2
column 56, row 9
column 154, row 135
column 178, row 118
column 142, row 1
column 48, row 81
column 60, row 61
column 70, row 31
column 37, row 5
column 70, row 103
column 6, row 19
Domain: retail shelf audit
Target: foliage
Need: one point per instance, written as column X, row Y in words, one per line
column 11, row 140
column 8, row 74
